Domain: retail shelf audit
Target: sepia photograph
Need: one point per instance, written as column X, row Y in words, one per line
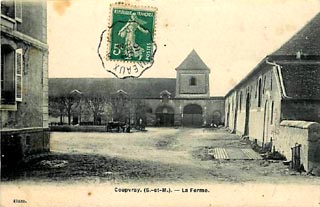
column 160, row 103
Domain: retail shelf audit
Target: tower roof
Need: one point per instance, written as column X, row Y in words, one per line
column 192, row 61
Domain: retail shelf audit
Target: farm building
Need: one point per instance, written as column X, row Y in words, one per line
column 278, row 103
column 181, row 101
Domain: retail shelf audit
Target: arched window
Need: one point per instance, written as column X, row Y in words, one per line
column 271, row 113
column 193, row 81
column 264, row 84
column 240, row 100
column 259, row 92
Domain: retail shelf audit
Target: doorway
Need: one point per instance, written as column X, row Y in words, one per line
column 247, row 118
column 164, row 116
column 192, row 115
column 265, row 123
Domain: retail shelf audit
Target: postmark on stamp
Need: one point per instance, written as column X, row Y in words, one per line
column 129, row 40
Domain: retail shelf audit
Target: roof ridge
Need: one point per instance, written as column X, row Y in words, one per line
column 139, row 88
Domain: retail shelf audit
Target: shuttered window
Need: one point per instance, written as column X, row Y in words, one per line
column 19, row 72
column 18, row 10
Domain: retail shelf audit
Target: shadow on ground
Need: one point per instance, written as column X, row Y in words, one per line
column 62, row 167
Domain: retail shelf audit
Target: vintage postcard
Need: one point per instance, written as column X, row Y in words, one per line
column 160, row 103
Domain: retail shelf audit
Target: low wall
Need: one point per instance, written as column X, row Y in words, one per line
column 81, row 128
column 300, row 132
column 20, row 144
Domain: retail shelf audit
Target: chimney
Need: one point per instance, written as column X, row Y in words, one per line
column 298, row 55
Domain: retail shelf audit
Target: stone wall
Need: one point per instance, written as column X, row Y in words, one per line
column 20, row 144
column 34, row 15
column 300, row 132
column 199, row 88
column 211, row 107
column 185, row 90
column 30, row 110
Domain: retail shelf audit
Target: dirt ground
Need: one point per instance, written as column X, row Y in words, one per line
column 158, row 155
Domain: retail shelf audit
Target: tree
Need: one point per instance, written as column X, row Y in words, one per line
column 97, row 105
column 56, row 108
column 140, row 109
column 121, row 103
column 70, row 102
column 64, row 105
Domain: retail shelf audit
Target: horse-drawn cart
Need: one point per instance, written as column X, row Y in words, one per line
column 117, row 126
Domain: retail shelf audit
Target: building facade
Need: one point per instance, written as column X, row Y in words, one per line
column 24, row 81
column 278, row 103
column 181, row 101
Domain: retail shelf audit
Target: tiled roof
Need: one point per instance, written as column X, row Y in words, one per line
column 192, row 61
column 306, row 40
column 136, row 88
column 301, row 80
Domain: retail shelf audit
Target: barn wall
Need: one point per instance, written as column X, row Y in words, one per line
column 264, row 120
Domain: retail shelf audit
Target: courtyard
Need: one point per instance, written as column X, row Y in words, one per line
column 170, row 155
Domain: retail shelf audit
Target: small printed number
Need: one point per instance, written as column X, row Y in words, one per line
column 116, row 49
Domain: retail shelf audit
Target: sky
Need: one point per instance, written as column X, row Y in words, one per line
column 230, row 36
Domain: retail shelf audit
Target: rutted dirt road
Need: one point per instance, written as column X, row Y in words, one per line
column 158, row 155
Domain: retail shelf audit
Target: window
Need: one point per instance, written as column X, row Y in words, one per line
column 264, row 84
column 193, row 81
column 256, row 92
column 271, row 81
column 2, row 70
column 259, row 89
column 165, row 110
column 165, row 98
column 12, row 9
column 240, row 101
column 271, row 113
column 8, row 8
column 7, row 76
column 149, row 110
column 232, row 103
column 11, row 75
column 28, row 140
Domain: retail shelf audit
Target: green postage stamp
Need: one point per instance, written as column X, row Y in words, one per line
column 128, row 44
column 131, row 35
